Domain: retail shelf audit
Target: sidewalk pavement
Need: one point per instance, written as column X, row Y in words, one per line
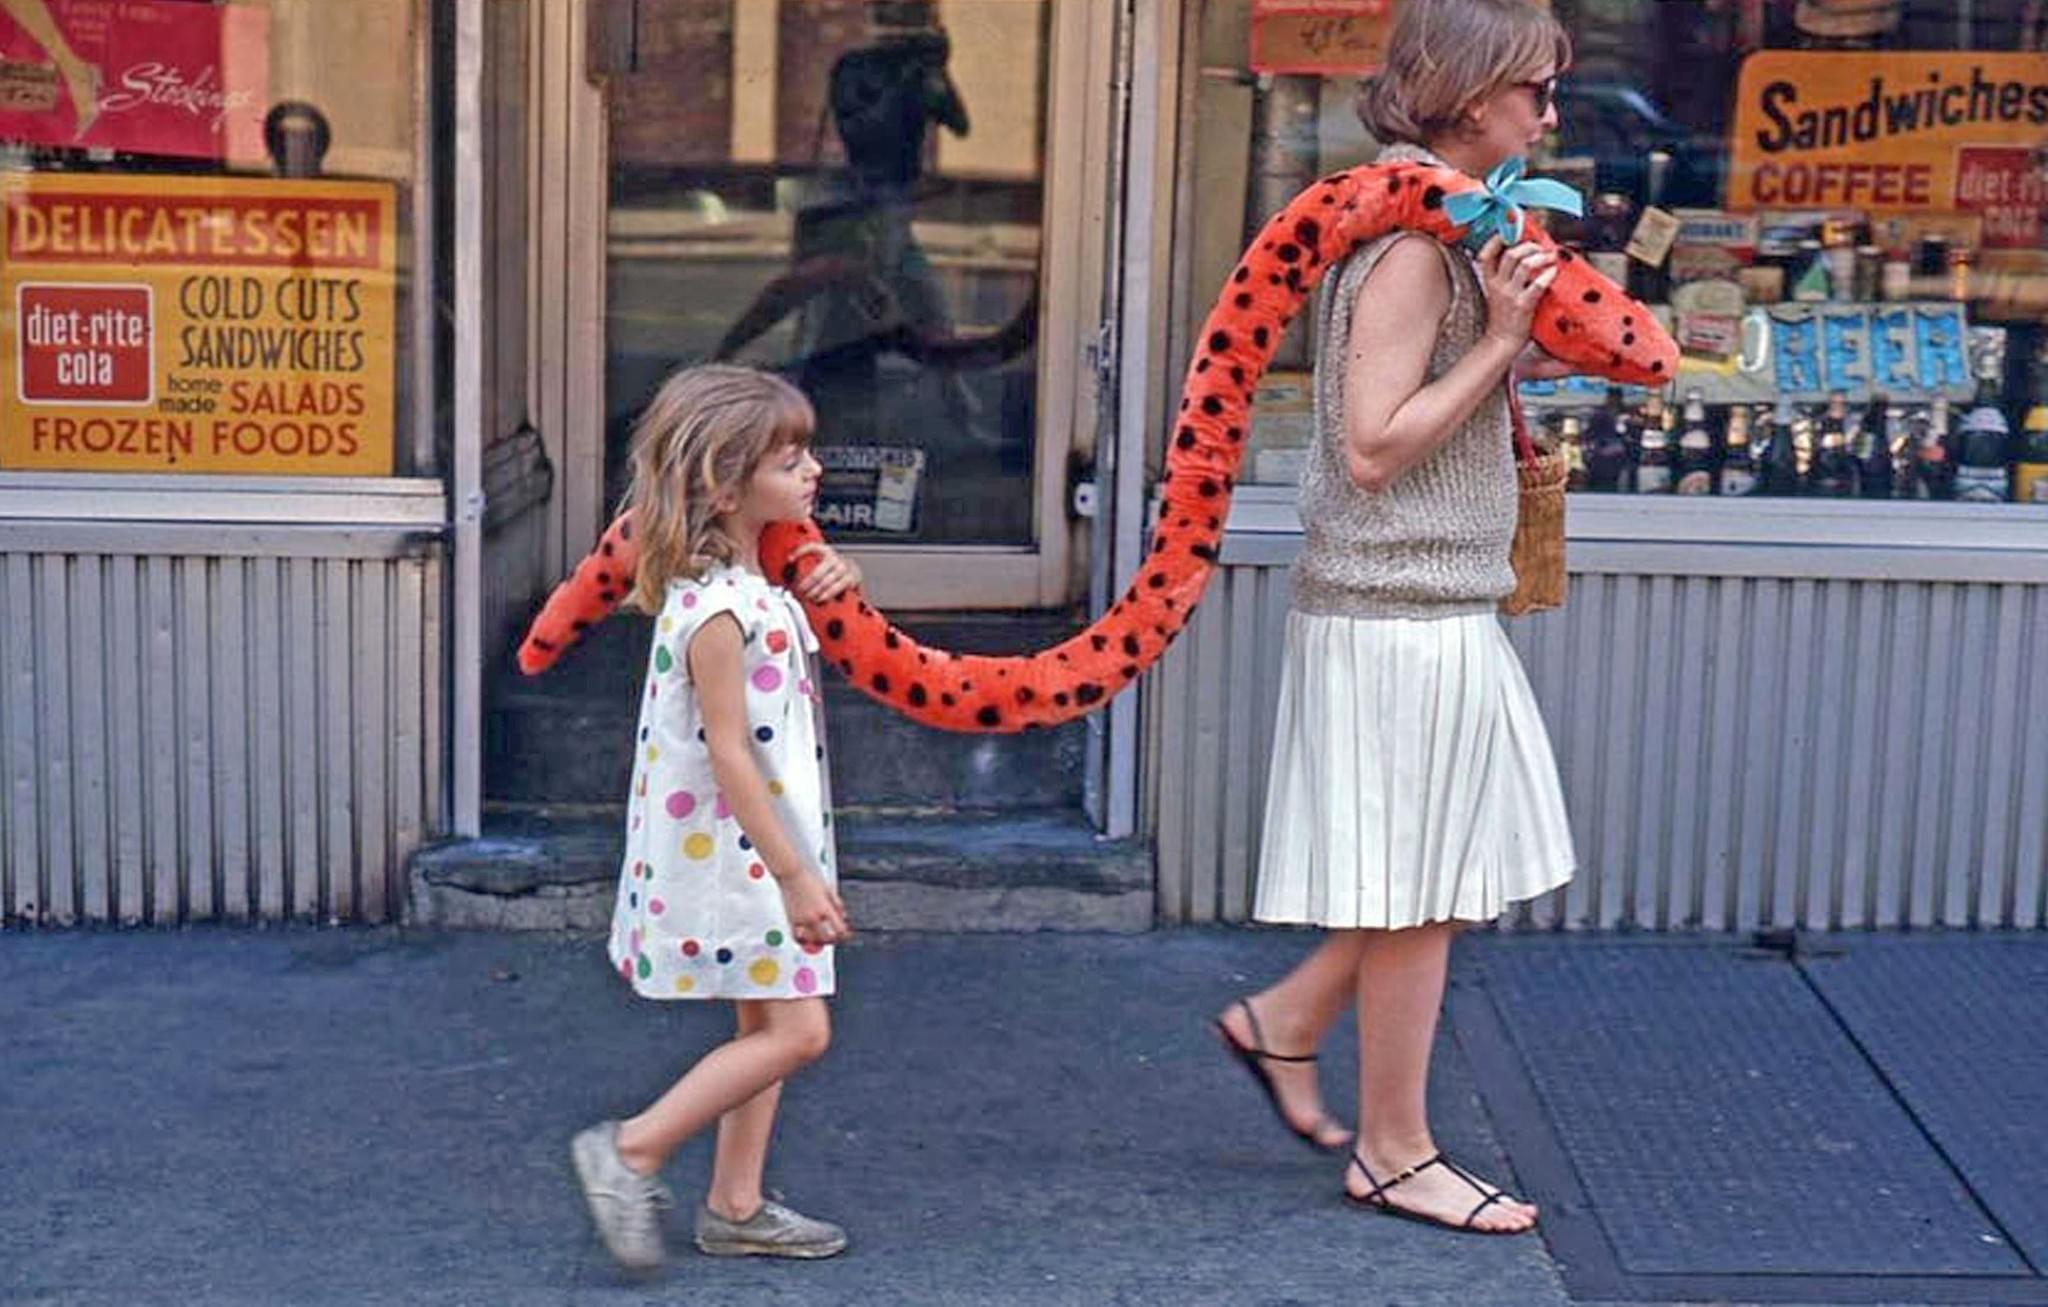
column 382, row 1116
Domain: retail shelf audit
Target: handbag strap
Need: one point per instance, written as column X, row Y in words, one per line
column 1525, row 448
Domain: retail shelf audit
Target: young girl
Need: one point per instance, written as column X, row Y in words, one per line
column 1412, row 786
column 727, row 885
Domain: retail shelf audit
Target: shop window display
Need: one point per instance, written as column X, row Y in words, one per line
column 1837, row 205
column 206, row 257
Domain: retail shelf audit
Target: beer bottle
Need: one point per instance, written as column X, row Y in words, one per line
column 1607, row 445
column 1695, row 449
column 1571, row 440
column 1980, row 472
column 1653, row 462
column 1834, row 467
column 1934, row 476
column 2030, row 473
column 1874, row 451
column 1782, row 474
column 1738, row 466
column 1904, row 456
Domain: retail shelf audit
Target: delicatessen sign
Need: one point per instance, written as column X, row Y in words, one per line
column 189, row 324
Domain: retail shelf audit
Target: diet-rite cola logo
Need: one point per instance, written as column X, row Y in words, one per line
column 86, row 344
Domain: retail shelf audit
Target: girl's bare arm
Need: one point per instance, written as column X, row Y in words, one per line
column 718, row 670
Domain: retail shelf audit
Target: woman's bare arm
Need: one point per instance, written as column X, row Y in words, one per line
column 1392, row 419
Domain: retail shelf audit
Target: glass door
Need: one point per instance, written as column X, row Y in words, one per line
column 860, row 196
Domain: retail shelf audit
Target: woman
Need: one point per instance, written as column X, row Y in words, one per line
column 1412, row 786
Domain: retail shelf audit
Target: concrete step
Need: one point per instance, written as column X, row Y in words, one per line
column 879, row 758
column 556, row 867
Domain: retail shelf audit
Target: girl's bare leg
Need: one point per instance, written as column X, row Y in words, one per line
column 1293, row 1015
column 793, row 1032
column 743, row 1136
column 1400, row 992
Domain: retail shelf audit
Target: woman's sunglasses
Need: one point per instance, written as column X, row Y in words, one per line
column 1545, row 93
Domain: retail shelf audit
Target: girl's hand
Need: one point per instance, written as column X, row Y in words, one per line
column 1514, row 281
column 834, row 575
column 816, row 914
column 1536, row 363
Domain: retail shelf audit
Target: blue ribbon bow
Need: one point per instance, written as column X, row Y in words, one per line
column 1495, row 209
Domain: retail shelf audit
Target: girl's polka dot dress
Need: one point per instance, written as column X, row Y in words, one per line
column 698, row 915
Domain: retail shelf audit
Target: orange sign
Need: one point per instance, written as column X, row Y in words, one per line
column 196, row 324
column 1327, row 38
column 1883, row 132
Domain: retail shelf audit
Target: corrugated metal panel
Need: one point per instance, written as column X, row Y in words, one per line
column 1737, row 752
column 200, row 738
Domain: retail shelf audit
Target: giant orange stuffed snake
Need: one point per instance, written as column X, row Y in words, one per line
column 1583, row 320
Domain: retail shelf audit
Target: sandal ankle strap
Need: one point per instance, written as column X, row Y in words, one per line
column 1258, row 1048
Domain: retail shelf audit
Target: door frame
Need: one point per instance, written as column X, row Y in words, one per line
column 569, row 206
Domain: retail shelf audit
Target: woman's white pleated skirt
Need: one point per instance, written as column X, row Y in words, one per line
column 1412, row 780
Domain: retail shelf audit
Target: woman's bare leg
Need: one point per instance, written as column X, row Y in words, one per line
column 1292, row 1016
column 1400, row 993
column 81, row 79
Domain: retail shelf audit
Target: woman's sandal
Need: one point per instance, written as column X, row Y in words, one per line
column 1378, row 1202
column 1251, row 1058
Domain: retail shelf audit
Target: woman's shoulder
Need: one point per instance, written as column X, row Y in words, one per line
column 1409, row 265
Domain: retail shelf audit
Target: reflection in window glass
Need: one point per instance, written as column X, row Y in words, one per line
column 847, row 192
column 1859, row 273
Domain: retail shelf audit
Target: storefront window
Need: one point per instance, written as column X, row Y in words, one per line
column 207, row 258
column 850, row 193
column 1856, row 258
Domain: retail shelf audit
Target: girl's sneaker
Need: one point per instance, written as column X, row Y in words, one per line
column 774, row 1231
column 624, row 1204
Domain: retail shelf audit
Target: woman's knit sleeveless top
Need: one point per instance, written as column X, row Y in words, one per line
column 1435, row 542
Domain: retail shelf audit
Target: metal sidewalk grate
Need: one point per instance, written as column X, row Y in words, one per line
column 1698, row 1122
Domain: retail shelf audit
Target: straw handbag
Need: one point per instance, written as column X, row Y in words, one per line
column 1538, row 550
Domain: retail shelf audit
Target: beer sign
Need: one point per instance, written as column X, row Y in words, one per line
column 1878, row 131
column 196, row 324
column 1805, row 351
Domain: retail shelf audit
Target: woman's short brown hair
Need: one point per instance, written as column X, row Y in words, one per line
column 1447, row 55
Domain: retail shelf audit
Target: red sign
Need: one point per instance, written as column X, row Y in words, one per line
column 85, row 343
column 1331, row 38
column 2008, row 185
column 176, row 77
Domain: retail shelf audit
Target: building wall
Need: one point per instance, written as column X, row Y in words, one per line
column 194, row 731
column 1750, row 736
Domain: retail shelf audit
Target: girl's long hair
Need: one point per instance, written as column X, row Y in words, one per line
column 1447, row 55
column 706, row 431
